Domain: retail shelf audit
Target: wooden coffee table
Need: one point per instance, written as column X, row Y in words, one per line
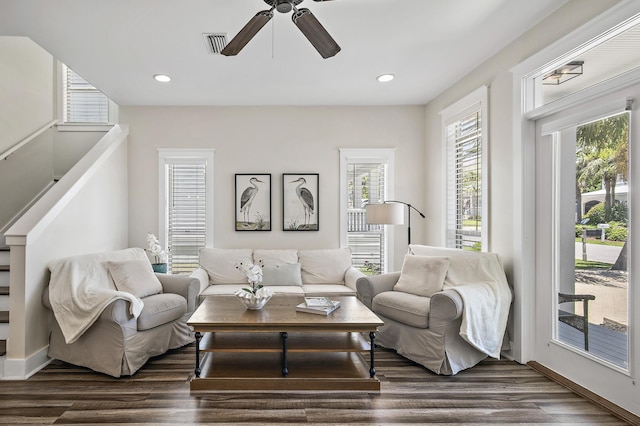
column 278, row 348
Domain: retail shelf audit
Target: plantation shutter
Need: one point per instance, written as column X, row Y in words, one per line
column 366, row 183
column 83, row 103
column 464, row 188
column 186, row 233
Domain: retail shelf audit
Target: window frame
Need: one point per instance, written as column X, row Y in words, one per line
column 65, row 126
column 168, row 156
column 368, row 155
column 476, row 101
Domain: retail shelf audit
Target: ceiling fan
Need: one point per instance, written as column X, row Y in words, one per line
column 304, row 20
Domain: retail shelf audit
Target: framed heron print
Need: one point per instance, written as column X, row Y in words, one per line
column 300, row 202
column 253, row 202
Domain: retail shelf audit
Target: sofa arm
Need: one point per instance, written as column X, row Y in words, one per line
column 118, row 311
column 369, row 286
column 351, row 276
column 184, row 285
column 203, row 277
column 445, row 306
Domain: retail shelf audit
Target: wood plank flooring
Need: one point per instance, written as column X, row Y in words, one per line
column 493, row 392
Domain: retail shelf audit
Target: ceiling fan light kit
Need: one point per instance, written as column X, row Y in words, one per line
column 302, row 18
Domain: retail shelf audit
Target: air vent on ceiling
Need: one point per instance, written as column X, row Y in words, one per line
column 215, row 42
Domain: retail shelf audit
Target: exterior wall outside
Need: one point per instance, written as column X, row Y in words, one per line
column 273, row 140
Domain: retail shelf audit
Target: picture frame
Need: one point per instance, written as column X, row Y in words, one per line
column 253, row 202
column 300, row 202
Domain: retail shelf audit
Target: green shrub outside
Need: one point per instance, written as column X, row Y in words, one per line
column 616, row 234
column 598, row 214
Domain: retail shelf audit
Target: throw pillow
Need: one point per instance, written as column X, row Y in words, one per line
column 422, row 275
column 281, row 275
column 135, row 277
column 324, row 266
column 271, row 257
column 220, row 264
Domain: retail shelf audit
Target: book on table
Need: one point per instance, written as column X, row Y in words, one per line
column 318, row 310
column 318, row 302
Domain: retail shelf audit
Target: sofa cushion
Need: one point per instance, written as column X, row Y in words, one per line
column 315, row 290
column 230, row 289
column 275, row 257
column 134, row 276
column 325, row 266
column 281, row 275
column 422, row 275
column 160, row 309
column 405, row 308
column 220, row 264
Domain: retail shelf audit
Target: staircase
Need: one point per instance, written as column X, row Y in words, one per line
column 4, row 299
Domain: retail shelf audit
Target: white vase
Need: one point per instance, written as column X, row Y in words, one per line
column 254, row 301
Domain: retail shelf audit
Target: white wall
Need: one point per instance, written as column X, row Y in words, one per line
column 495, row 74
column 273, row 140
column 26, row 89
column 69, row 147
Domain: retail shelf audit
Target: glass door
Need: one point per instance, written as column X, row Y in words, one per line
column 586, row 164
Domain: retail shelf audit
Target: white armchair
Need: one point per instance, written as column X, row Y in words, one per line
column 437, row 329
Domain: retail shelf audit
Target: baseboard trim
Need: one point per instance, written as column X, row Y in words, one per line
column 614, row 409
column 22, row 369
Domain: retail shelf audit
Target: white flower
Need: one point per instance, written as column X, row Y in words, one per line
column 253, row 274
column 154, row 247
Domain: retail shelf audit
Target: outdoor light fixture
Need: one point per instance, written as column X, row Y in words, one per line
column 390, row 213
column 564, row 73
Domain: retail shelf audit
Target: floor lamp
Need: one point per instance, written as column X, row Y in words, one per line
column 390, row 213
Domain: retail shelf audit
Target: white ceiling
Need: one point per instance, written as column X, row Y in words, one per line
column 118, row 45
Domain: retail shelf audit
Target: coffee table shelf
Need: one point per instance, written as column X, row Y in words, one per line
column 272, row 342
column 278, row 348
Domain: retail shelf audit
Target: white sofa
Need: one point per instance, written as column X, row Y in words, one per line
column 321, row 272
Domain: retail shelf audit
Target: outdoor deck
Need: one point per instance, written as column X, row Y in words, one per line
column 604, row 343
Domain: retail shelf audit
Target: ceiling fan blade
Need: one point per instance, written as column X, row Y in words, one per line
column 247, row 33
column 315, row 33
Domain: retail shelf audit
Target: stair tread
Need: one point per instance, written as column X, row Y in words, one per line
column 4, row 317
column 3, row 347
column 4, row 268
column 4, row 290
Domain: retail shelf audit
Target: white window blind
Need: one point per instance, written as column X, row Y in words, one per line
column 83, row 103
column 464, row 138
column 465, row 134
column 186, row 213
column 365, row 183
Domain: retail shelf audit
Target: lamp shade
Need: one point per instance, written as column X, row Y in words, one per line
column 385, row 214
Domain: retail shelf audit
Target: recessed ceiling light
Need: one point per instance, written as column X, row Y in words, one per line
column 385, row 78
column 162, row 78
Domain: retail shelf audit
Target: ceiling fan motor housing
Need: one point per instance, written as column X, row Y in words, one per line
column 283, row 6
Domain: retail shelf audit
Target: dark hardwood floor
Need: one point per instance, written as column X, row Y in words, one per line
column 493, row 392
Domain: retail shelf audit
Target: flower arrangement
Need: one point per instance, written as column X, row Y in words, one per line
column 155, row 248
column 258, row 295
column 253, row 273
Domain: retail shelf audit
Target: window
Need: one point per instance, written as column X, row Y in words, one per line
column 366, row 177
column 464, row 125
column 82, row 103
column 186, row 213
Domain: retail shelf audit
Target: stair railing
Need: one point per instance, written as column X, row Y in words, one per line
column 28, row 139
